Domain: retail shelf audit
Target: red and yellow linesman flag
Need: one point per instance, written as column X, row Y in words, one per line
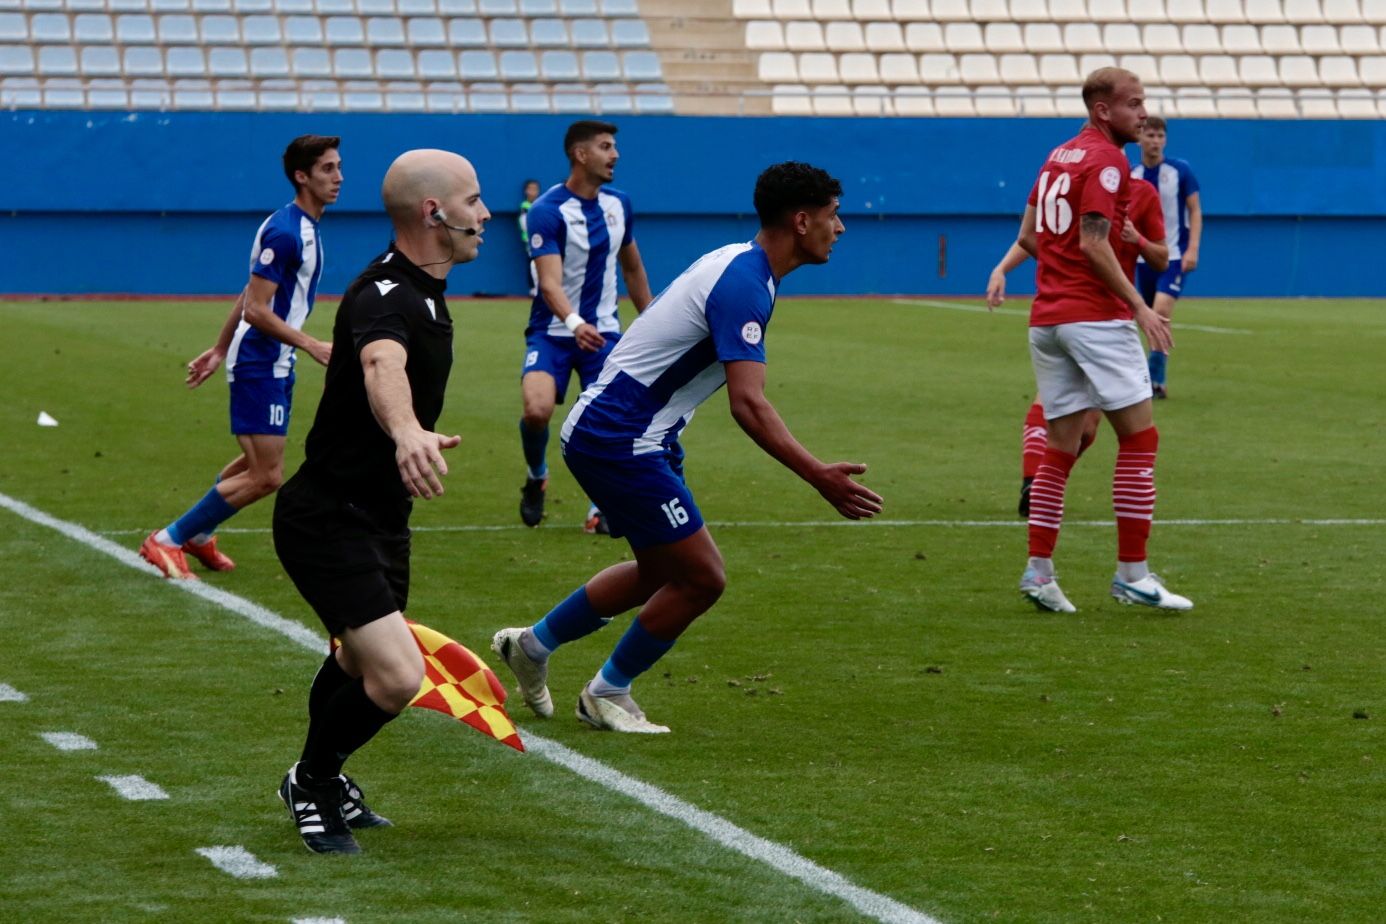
column 458, row 683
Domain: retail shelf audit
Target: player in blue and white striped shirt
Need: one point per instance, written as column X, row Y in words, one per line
column 257, row 343
column 1174, row 180
column 578, row 231
column 620, row 442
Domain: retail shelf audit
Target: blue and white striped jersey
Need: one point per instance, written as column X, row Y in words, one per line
column 670, row 360
column 1174, row 180
column 288, row 252
column 587, row 234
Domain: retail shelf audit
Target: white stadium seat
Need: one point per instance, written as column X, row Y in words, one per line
column 177, row 30
column 1089, row 63
column 50, row 28
column 764, row 35
column 1357, row 104
column 1360, row 40
column 899, row 68
column 1178, row 71
column 1036, row 102
column 300, row 30
column 1107, row 10
column 951, row 10
column 1218, row 71
column 1083, row 37
column 804, row 36
column 1339, row 71
column 793, row 9
column 1004, row 37
column 1374, row 11
column 13, row 28
column 1185, row 11
column 1317, row 104
column 777, row 67
column 1068, row 11
column 924, row 36
column 427, row 32
column 1163, row 39
column 872, row 101
column 938, row 69
column 963, row 37
column 824, row 10
column 844, row 36
column 752, row 9
column 101, row 61
column 1143, row 66
column 954, row 101
column 914, row 101
column 1372, row 70
column 858, row 67
column 546, row 33
column 1202, row 40
column 885, row 36
column 1241, row 40
column 1304, row 12
column 384, row 31
column 1143, row 11
column 832, row 101
column 1258, row 71
column 1029, row 11
column 1265, row 12
column 871, row 10
column 910, row 10
column 1122, row 38
column 1019, row 70
column 1280, row 40
column 98, row 28
column 1196, row 103
column 1223, row 11
column 818, row 67
column 1298, row 71
column 989, row 10
column 188, row 62
column 995, row 102
column 1343, row 12
column 791, row 99
column 1059, row 70
column 1236, row 104
column 977, row 69
column 1320, row 40
column 1043, row 37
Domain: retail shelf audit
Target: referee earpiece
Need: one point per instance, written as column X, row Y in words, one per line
column 439, row 216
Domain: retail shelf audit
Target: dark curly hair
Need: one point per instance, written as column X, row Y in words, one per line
column 303, row 152
column 785, row 188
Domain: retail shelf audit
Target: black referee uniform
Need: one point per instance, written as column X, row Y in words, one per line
column 341, row 523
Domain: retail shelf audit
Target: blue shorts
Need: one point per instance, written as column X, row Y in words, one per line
column 261, row 406
column 1170, row 282
column 644, row 497
column 559, row 356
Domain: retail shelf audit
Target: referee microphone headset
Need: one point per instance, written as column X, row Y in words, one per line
column 441, row 217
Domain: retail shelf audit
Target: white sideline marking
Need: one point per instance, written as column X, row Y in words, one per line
column 873, row 904
column 135, row 788
column 802, row 524
column 69, row 741
column 318, row 921
column 982, row 309
column 9, row 694
column 238, row 862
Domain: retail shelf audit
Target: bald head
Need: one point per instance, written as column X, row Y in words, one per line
column 424, row 174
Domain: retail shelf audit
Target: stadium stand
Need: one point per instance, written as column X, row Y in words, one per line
column 1200, row 58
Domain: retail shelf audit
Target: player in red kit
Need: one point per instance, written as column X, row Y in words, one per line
column 1084, row 343
column 1142, row 235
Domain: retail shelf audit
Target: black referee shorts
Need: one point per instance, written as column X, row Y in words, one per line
column 350, row 563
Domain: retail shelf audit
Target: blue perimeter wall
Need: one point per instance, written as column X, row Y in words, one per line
column 167, row 203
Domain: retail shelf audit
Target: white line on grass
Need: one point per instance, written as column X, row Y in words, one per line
column 873, row 904
column 135, row 788
column 68, row 741
column 318, row 921
column 982, row 309
column 9, row 694
column 238, row 862
column 806, row 524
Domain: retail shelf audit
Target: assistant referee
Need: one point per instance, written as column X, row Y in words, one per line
column 341, row 523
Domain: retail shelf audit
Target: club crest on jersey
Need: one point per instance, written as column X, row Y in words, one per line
column 751, row 332
column 1110, row 178
column 536, row 240
column 266, row 256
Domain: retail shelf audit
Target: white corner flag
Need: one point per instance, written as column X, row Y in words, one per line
column 46, row 419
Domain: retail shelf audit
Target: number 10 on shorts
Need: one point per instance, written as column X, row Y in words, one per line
column 675, row 512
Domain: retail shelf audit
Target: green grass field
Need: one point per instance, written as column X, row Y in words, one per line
column 877, row 698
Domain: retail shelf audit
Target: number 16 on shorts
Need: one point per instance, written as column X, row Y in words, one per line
column 675, row 512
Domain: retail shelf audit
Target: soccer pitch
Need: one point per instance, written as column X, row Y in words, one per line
column 876, row 698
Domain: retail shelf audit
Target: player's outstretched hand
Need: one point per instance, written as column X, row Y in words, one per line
column 996, row 289
column 853, row 500
column 419, row 455
column 200, row 369
column 1129, row 234
column 320, row 350
column 1156, row 330
column 588, row 338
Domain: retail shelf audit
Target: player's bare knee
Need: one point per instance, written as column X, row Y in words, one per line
column 394, row 687
column 706, row 583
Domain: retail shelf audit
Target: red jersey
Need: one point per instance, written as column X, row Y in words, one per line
column 1088, row 175
column 1148, row 215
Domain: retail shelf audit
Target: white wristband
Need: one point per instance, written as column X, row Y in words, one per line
column 573, row 321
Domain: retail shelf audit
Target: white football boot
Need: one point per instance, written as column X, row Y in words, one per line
column 531, row 676
column 1148, row 591
column 1044, row 593
column 616, row 713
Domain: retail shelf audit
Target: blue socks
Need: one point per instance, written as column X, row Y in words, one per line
column 1157, row 367
column 569, row 621
column 535, row 446
column 635, row 653
column 204, row 517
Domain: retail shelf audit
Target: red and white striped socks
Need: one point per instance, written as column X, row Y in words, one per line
column 1033, row 437
column 1133, row 499
column 1047, row 501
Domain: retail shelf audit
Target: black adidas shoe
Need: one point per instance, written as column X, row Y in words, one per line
column 1023, row 508
column 317, row 813
column 532, row 500
column 358, row 815
column 1159, row 391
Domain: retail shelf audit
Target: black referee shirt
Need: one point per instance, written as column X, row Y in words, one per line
column 391, row 300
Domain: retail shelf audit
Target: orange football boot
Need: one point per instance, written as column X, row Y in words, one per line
column 167, row 558
column 209, row 555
